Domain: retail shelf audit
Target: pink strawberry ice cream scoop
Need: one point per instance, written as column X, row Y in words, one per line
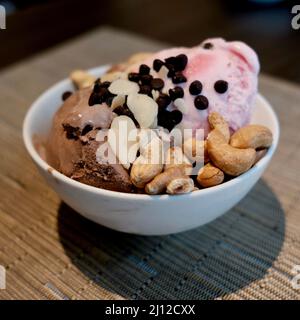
column 219, row 76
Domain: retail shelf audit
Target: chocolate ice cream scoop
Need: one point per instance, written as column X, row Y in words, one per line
column 71, row 146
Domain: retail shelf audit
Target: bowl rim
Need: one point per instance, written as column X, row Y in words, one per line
column 28, row 141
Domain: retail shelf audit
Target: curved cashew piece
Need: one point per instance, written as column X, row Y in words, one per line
column 216, row 121
column 252, row 136
column 259, row 155
column 230, row 160
column 161, row 181
column 180, row 185
column 210, row 176
column 147, row 165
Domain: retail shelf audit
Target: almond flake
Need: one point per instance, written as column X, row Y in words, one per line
column 181, row 106
column 143, row 108
column 123, row 87
column 117, row 101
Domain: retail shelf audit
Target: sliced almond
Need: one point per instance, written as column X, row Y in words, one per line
column 143, row 108
column 123, row 87
column 122, row 138
column 117, row 101
column 181, row 105
column 155, row 94
column 82, row 79
column 163, row 72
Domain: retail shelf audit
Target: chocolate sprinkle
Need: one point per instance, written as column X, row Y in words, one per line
column 195, row 87
column 221, row 86
column 157, row 64
column 157, row 84
column 201, row 102
column 66, row 95
column 176, row 93
column 124, row 111
column 178, row 78
column 145, row 89
column 86, row 129
column 144, row 69
column 169, row 119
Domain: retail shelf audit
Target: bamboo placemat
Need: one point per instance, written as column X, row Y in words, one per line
column 50, row 252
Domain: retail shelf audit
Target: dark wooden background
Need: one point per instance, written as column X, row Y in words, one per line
column 33, row 26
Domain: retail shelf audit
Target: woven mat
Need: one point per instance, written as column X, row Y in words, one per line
column 51, row 252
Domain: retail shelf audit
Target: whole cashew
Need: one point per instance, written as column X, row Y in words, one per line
column 210, row 176
column 252, row 136
column 230, row 160
column 180, row 185
column 216, row 121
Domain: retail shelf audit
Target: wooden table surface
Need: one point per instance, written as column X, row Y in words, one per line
column 50, row 252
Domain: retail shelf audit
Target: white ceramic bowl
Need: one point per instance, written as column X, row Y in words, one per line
column 136, row 213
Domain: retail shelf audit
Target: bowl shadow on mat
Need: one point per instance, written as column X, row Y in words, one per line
column 208, row 262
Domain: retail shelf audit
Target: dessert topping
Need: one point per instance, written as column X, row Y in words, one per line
column 195, row 87
column 201, row 102
column 221, row 86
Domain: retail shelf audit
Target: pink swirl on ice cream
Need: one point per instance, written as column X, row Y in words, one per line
column 215, row 59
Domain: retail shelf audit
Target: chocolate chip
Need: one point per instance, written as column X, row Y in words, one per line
column 163, row 119
column 94, row 99
column 181, row 62
column 157, row 64
column 175, row 93
column 178, row 78
column 171, row 71
column 144, row 69
column 157, row 83
column 124, row 111
column 163, row 101
column 195, row 87
column 221, row 86
column 71, row 132
column 133, row 76
column 66, row 95
column 109, row 100
column 208, row 45
column 86, row 129
column 201, row 102
column 97, row 87
column 105, row 84
column 145, row 89
column 176, row 116
column 146, row 79
column 171, row 61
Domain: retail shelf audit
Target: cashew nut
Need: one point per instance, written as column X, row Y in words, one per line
column 259, row 155
column 252, row 136
column 148, row 165
column 161, row 181
column 216, row 121
column 82, row 79
column 195, row 150
column 230, row 160
column 180, row 185
column 210, row 176
column 175, row 158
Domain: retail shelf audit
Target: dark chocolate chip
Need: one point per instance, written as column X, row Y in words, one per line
column 86, row 129
column 124, row 111
column 97, row 87
column 144, row 69
column 105, row 84
column 171, row 71
column 157, row 64
column 201, row 102
column 176, row 93
column 145, row 89
column 221, row 86
column 208, row 45
column 109, row 100
column 94, row 99
column 178, row 78
column 163, row 101
column 66, row 95
column 181, row 62
column 171, row 60
column 133, row 76
column 104, row 94
column 146, row 79
column 176, row 116
column 157, row 83
column 195, row 87
column 71, row 132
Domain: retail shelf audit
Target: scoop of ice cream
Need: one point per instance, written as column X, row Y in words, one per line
column 227, row 72
column 71, row 146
